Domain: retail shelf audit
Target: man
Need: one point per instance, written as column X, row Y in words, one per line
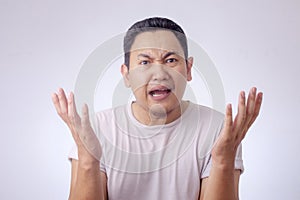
column 159, row 146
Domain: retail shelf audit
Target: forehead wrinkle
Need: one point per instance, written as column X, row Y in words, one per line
column 164, row 40
column 157, row 53
column 143, row 55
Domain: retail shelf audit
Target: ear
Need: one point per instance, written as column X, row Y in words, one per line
column 190, row 61
column 125, row 74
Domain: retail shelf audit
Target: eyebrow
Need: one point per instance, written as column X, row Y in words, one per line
column 169, row 54
column 144, row 55
column 164, row 57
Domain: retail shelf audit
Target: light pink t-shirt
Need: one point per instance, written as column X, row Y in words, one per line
column 161, row 161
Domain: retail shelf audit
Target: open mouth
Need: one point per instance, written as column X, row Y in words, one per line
column 159, row 92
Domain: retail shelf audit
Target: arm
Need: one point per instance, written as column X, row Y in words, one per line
column 217, row 181
column 87, row 181
column 223, row 181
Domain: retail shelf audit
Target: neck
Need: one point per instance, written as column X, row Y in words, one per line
column 156, row 115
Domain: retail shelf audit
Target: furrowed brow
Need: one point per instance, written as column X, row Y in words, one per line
column 144, row 55
column 169, row 54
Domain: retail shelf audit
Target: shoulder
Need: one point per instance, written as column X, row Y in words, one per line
column 209, row 123
column 110, row 113
column 105, row 120
column 205, row 114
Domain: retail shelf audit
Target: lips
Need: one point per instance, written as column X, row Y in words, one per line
column 159, row 92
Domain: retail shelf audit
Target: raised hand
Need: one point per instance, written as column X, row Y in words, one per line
column 89, row 149
column 234, row 131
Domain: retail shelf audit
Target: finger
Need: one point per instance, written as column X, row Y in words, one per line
column 240, row 119
column 243, row 123
column 253, row 111
column 258, row 103
column 56, row 103
column 87, row 136
column 85, row 116
column 60, row 111
column 74, row 119
column 62, row 102
column 72, row 114
column 251, row 104
column 228, row 121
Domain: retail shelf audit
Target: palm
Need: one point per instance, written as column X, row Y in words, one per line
column 235, row 130
column 85, row 138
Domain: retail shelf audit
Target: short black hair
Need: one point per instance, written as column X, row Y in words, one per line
column 153, row 24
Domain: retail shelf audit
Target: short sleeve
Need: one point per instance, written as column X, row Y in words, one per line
column 238, row 164
column 73, row 154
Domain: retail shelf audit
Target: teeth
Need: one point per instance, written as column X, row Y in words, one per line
column 154, row 91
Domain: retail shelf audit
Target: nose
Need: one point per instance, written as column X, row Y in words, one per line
column 159, row 73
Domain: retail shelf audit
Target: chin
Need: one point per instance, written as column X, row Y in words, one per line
column 164, row 107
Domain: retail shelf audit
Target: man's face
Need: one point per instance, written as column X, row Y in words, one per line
column 158, row 71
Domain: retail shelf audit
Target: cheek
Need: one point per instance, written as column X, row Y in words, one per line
column 140, row 94
column 180, row 88
column 139, row 79
column 183, row 71
column 179, row 77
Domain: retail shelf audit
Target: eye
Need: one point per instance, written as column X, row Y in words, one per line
column 144, row 62
column 171, row 60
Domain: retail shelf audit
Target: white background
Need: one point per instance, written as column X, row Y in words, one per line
column 43, row 45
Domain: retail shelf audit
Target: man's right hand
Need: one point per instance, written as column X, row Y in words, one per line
column 89, row 148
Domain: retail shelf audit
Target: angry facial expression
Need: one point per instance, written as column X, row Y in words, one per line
column 158, row 73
